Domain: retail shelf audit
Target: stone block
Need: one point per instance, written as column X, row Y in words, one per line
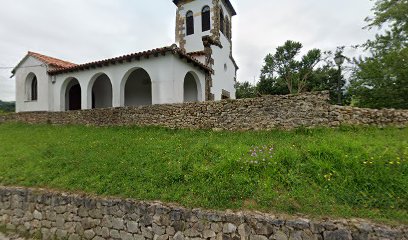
column 74, row 237
column 179, row 236
column 89, row 234
column 147, row 232
column 105, row 232
column 340, row 234
column 118, row 223
column 299, row 224
column 133, row 227
column 257, row 237
column 115, row 234
column 61, row 234
column 264, row 229
column 191, row 233
column 37, row 215
column 209, row 234
column 279, row 235
column 98, row 238
column 229, row 228
column 170, row 231
column 158, row 230
column 125, row 235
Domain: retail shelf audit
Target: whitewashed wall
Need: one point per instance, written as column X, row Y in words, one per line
column 23, row 103
column 223, row 78
column 194, row 42
column 167, row 75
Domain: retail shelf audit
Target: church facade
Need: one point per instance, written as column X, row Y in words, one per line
column 200, row 67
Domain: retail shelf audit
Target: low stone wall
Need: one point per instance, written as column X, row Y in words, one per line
column 49, row 215
column 340, row 115
column 265, row 113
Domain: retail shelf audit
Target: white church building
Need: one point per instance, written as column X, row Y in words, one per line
column 200, row 67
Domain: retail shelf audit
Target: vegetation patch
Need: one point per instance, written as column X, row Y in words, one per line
column 346, row 172
column 7, row 107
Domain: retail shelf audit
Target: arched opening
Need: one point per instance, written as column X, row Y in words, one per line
column 138, row 88
column 191, row 88
column 101, row 92
column 206, row 18
column 222, row 21
column 73, row 95
column 31, row 87
column 190, row 23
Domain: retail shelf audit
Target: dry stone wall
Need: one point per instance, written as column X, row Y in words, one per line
column 264, row 113
column 54, row 215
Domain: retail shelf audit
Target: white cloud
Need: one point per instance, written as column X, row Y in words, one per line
column 82, row 31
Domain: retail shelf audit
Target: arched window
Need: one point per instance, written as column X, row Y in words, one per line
column 31, row 87
column 34, row 89
column 190, row 22
column 222, row 21
column 206, row 18
column 227, row 28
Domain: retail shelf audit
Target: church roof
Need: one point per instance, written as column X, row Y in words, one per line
column 132, row 57
column 53, row 62
column 50, row 61
column 227, row 2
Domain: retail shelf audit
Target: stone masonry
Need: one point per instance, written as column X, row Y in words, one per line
column 264, row 113
column 48, row 214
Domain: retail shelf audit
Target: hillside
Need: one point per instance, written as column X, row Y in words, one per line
column 7, row 106
column 346, row 172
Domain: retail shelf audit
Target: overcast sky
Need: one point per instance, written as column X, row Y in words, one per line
column 85, row 30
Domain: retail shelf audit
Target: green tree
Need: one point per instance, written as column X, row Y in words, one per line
column 393, row 15
column 283, row 74
column 284, row 65
column 326, row 78
column 272, row 86
column 381, row 80
column 245, row 90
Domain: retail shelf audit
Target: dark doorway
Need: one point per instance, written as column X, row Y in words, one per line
column 138, row 89
column 75, row 97
column 102, row 92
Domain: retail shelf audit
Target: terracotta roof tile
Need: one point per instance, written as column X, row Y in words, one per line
column 53, row 62
column 132, row 57
column 197, row 53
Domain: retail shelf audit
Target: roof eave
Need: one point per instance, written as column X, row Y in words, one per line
column 129, row 58
column 19, row 64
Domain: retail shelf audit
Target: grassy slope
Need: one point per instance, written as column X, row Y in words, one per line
column 349, row 172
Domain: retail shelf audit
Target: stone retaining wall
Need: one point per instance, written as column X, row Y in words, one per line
column 265, row 113
column 49, row 215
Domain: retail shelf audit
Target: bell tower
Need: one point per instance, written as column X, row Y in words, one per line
column 198, row 18
column 204, row 29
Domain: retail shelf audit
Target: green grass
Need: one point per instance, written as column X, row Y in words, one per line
column 345, row 172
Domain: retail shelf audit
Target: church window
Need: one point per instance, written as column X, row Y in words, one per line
column 206, row 18
column 34, row 89
column 31, row 87
column 190, row 23
column 222, row 21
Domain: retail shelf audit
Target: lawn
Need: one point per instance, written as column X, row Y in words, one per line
column 346, row 172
